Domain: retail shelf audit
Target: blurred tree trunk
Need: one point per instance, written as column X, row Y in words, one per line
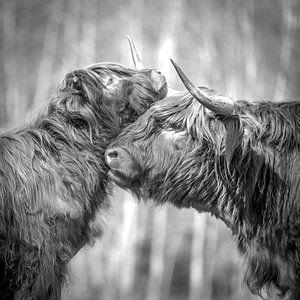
column 10, row 38
column 197, row 256
column 157, row 257
column 88, row 37
column 232, row 52
column 207, row 51
column 71, row 32
column 246, row 13
column 112, row 288
column 128, row 247
column 173, row 247
column 48, row 57
column 210, row 254
column 170, row 32
column 289, row 27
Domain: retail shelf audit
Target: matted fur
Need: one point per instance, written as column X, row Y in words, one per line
column 242, row 168
column 53, row 178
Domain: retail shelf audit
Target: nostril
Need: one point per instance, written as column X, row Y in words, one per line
column 112, row 153
column 112, row 157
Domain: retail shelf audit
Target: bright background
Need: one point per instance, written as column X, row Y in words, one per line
column 247, row 49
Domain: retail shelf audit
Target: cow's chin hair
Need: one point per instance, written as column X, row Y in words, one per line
column 129, row 184
column 163, row 92
column 118, row 178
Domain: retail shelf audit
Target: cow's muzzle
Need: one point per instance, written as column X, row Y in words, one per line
column 120, row 164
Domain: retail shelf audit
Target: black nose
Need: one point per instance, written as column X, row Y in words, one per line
column 114, row 157
column 111, row 155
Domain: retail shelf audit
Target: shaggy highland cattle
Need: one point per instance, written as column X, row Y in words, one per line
column 53, row 178
column 239, row 161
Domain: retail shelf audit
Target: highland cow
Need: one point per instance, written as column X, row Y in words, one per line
column 239, row 161
column 53, row 178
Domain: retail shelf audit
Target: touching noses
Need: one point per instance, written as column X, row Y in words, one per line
column 114, row 156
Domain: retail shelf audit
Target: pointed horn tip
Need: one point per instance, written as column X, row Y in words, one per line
column 131, row 44
column 173, row 63
column 199, row 95
column 129, row 39
column 177, row 68
column 138, row 64
column 179, row 71
column 188, row 84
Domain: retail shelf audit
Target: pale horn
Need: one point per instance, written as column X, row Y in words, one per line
column 135, row 56
column 208, row 101
column 139, row 65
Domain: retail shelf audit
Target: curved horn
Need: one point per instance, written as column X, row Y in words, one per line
column 218, row 107
column 135, row 57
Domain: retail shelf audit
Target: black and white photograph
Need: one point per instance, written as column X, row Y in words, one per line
column 149, row 150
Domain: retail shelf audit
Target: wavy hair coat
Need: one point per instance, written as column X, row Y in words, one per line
column 53, row 179
column 242, row 167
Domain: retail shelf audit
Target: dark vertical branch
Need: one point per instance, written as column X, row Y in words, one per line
column 173, row 248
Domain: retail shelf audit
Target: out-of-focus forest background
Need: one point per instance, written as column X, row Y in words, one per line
column 248, row 49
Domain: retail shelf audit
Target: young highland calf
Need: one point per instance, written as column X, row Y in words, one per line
column 239, row 161
column 53, row 178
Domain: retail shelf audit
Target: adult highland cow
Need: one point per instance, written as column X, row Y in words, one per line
column 53, row 178
column 240, row 161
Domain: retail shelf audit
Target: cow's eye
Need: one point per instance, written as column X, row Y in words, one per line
column 176, row 126
column 110, row 81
